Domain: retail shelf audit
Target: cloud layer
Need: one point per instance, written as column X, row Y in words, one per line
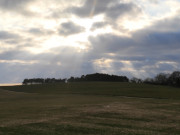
column 62, row 39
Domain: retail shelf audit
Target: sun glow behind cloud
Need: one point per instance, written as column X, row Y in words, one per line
column 74, row 40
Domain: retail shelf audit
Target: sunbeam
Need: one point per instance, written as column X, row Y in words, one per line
column 93, row 9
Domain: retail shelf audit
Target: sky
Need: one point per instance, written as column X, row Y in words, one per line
column 59, row 39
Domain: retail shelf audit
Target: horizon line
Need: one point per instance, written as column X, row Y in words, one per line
column 10, row 84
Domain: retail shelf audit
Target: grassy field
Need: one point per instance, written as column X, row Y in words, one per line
column 90, row 109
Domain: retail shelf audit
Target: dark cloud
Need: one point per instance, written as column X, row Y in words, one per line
column 110, row 43
column 123, row 9
column 139, row 44
column 16, row 54
column 40, row 31
column 16, row 6
column 11, row 4
column 4, row 35
column 111, row 8
column 70, row 28
column 17, row 41
column 98, row 25
column 9, row 38
column 166, row 67
column 117, row 65
column 168, row 24
column 91, row 7
column 35, row 31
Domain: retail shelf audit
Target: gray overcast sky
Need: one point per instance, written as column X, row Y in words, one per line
column 58, row 38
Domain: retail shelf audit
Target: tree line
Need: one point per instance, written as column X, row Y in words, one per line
column 99, row 77
column 172, row 79
column 42, row 81
column 83, row 78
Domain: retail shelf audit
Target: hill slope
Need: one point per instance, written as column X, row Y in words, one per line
column 102, row 88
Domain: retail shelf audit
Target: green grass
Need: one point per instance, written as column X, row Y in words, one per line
column 100, row 88
column 94, row 108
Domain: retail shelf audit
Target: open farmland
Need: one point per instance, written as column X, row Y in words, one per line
column 94, row 108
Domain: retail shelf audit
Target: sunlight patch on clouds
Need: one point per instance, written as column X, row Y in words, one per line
column 10, row 22
column 59, row 63
column 136, row 24
column 63, row 42
column 159, row 9
column 22, row 62
column 105, row 65
column 52, row 42
column 133, row 26
column 5, row 47
column 46, row 8
column 102, row 63
column 49, row 24
column 129, row 68
column 174, row 6
column 87, row 22
column 172, row 63
column 104, row 30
